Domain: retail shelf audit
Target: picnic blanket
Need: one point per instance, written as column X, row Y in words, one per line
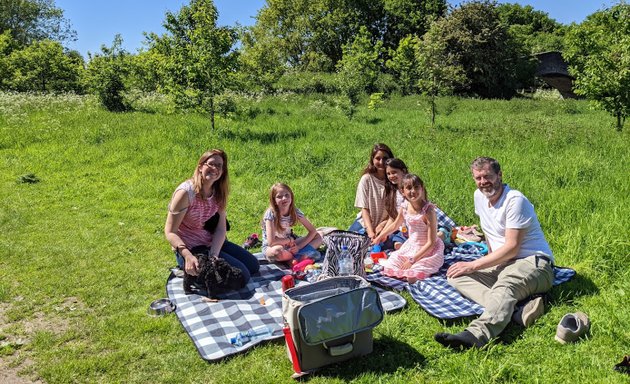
column 438, row 297
column 211, row 325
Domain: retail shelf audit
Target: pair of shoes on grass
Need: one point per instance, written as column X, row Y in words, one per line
column 572, row 327
column 468, row 233
column 252, row 241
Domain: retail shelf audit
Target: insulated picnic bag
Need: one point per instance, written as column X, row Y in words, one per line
column 357, row 245
column 331, row 320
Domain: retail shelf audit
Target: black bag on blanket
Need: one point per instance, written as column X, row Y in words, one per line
column 357, row 246
column 215, row 274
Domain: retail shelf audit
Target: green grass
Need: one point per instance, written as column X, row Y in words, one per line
column 82, row 252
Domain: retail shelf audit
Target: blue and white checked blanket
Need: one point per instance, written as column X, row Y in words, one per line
column 211, row 325
column 438, row 297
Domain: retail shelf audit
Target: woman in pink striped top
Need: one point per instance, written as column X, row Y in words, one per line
column 423, row 254
column 194, row 202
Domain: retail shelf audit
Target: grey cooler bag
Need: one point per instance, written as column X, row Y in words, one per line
column 331, row 320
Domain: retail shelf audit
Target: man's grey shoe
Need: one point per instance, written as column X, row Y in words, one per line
column 528, row 313
column 572, row 327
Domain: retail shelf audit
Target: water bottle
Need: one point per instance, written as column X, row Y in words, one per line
column 345, row 262
column 253, row 334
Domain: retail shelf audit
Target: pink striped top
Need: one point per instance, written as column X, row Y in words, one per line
column 191, row 229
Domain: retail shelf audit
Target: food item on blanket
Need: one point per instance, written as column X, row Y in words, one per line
column 369, row 263
column 299, row 267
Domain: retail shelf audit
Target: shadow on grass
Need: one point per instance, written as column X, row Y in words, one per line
column 388, row 356
column 373, row 120
column 577, row 287
column 262, row 137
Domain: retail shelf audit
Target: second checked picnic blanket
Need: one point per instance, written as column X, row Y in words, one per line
column 439, row 298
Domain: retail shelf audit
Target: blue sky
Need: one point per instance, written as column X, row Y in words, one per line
column 97, row 22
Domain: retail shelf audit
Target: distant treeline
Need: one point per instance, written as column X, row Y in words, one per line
column 352, row 47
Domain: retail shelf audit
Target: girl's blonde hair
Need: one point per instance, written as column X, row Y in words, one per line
column 274, row 207
column 221, row 187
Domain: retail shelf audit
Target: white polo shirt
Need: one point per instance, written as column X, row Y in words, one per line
column 514, row 211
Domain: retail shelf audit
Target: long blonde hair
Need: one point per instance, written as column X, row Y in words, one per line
column 221, row 187
column 274, row 207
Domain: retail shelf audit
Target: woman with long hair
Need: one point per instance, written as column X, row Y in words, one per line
column 196, row 217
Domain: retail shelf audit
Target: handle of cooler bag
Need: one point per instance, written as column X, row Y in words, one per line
column 342, row 349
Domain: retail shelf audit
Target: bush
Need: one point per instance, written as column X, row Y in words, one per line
column 386, row 84
column 308, row 82
column 110, row 93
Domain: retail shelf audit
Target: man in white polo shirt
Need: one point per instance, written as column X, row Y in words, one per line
column 519, row 264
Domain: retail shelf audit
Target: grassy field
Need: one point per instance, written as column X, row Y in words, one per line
column 82, row 251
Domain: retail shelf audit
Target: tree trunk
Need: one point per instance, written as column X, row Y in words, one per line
column 620, row 122
column 432, row 111
column 212, row 112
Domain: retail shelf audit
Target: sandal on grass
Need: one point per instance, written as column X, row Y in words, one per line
column 252, row 241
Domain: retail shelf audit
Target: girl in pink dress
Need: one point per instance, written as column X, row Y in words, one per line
column 423, row 254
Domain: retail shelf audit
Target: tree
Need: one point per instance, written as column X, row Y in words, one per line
column 474, row 33
column 360, row 66
column 439, row 70
column 534, row 29
column 198, row 56
column 404, row 64
column 7, row 45
column 44, row 67
column 409, row 17
column 106, row 75
column 598, row 53
column 261, row 64
column 309, row 35
column 34, row 20
column 146, row 71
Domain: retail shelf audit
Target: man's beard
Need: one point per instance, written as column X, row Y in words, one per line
column 492, row 190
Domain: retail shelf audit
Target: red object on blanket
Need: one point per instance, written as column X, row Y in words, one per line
column 299, row 267
column 376, row 256
column 287, row 282
column 289, row 340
